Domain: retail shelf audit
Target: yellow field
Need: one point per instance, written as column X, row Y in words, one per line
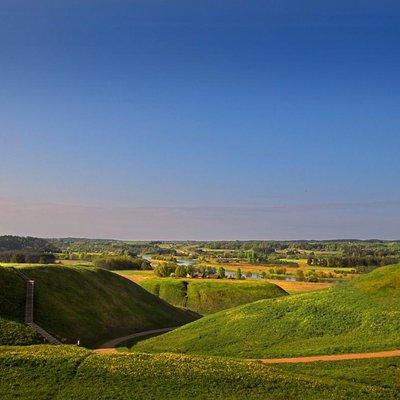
column 297, row 287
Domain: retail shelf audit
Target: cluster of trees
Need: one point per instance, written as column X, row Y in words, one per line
column 295, row 249
column 114, row 263
column 26, row 244
column 110, row 246
column 166, row 257
column 346, row 261
column 169, row 269
column 30, row 257
column 307, row 276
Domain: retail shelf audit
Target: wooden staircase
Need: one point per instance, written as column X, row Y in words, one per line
column 29, row 303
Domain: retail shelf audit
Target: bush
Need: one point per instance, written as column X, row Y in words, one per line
column 165, row 269
column 17, row 258
column 113, row 263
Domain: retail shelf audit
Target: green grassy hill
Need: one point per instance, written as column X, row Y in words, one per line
column 89, row 304
column 357, row 316
column 12, row 308
column 68, row 372
column 210, row 296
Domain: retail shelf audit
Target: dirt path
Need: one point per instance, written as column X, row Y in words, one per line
column 110, row 346
column 333, row 357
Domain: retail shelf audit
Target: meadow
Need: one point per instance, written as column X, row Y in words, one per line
column 68, row 372
column 357, row 316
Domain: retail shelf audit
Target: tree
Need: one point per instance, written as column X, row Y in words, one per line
column 263, row 275
column 47, row 259
column 221, row 272
column 180, row 271
column 238, row 273
column 165, row 269
column 300, row 274
column 17, row 258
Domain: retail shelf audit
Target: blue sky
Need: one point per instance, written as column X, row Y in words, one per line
column 140, row 106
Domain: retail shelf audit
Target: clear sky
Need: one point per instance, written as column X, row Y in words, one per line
column 200, row 119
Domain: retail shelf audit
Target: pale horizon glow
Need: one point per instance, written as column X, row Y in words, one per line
column 200, row 119
column 287, row 222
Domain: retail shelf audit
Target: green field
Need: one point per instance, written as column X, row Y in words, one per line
column 68, row 372
column 210, row 296
column 88, row 304
column 357, row 316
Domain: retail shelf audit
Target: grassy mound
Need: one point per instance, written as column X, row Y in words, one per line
column 12, row 308
column 89, row 304
column 210, row 296
column 357, row 316
column 67, row 372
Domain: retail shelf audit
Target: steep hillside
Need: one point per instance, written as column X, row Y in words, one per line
column 89, row 304
column 12, row 306
column 360, row 315
column 210, row 296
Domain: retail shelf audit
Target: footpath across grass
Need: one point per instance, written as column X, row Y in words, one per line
column 68, row 372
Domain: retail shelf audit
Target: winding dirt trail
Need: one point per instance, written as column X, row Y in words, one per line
column 110, row 347
column 332, row 357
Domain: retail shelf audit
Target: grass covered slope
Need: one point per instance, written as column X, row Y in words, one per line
column 67, row 372
column 358, row 316
column 12, row 308
column 90, row 304
column 210, row 296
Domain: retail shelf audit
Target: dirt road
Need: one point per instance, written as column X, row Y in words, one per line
column 332, row 357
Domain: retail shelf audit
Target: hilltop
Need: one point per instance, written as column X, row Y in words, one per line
column 89, row 304
column 209, row 296
column 356, row 316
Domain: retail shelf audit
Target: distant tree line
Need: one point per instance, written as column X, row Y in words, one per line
column 19, row 257
column 171, row 269
column 114, row 263
column 368, row 262
column 26, row 244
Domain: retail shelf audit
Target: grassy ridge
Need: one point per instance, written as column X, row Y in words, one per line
column 61, row 373
column 89, row 304
column 210, row 296
column 357, row 316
